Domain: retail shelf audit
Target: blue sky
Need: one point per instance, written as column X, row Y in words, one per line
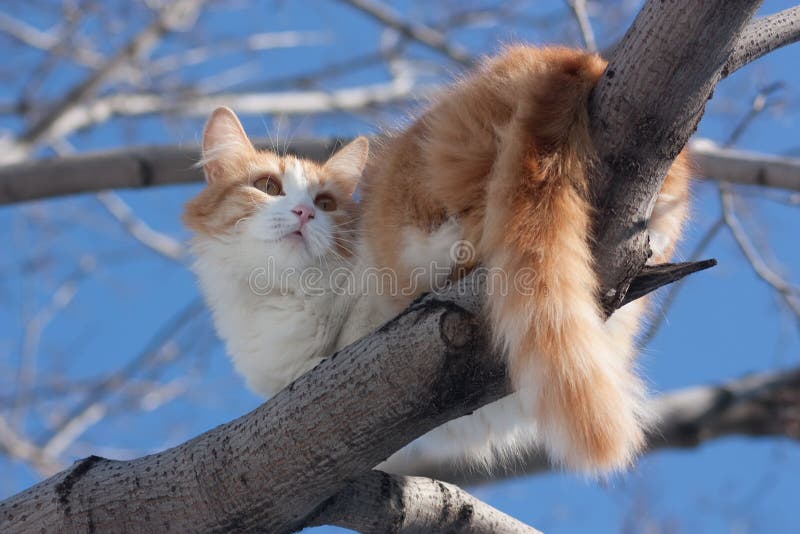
column 725, row 323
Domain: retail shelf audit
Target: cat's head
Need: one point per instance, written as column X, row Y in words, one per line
column 267, row 205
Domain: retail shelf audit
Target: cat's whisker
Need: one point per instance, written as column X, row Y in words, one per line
column 349, row 242
column 292, row 134
column 344, row 248
column 343, row 224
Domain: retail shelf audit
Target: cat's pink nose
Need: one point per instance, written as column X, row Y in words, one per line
column 303, row 212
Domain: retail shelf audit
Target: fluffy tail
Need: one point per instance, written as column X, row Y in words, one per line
column 587, row 402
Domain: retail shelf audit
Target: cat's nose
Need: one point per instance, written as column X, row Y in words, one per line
column 305, row 213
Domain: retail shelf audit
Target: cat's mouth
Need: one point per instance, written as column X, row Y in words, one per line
column 296, row 236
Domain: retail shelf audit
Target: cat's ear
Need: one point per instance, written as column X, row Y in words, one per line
column 225, row 144
column 348, row 163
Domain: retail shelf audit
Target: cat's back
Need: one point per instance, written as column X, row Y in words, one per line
column 438, row 167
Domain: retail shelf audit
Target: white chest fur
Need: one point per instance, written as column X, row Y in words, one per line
column 272, row 336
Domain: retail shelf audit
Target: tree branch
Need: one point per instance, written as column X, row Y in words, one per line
column 429, row 37
column 743, row 167
column 158, row 242
column 652, row 277
column 788, row 292
column 639, row 123
column 100, row 110
column 762, row 36
column 169, row 17
column 270, row 468
column 581, row 14
column 17, row 447
column 765, row 404
column 379, row 502
column 119, row 169
column 151, row 166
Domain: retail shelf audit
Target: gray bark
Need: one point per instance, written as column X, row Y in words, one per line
column 378, row 503
column 762, row 36
column 643, row 110
column 148, row 166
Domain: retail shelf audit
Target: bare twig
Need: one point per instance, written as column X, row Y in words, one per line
column 422, row 34
column 356, row 98
column 579, row 11
column 47, row 41
column 171, row 16
column 789, row 293
column 25, row 33
column 73, row 428
column 15, row 446
column 61, row 298
column 161, row 243
column 160, row 349
column 256, row 41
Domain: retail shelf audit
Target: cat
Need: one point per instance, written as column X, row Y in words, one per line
column 501, row 161
column 261, row 224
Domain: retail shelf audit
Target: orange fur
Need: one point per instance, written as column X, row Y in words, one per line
column 507, row 153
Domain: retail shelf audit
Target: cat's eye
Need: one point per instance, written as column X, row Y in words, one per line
column 325, row 202
column 269, row 185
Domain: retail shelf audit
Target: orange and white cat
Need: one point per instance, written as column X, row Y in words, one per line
column 268, row 232
column 502, row 160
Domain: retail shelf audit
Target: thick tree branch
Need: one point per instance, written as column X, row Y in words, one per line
column 378, row 503
column 643, row 110
column 269, row 469
column 119, row 169
column 765, row 404
column 151, row 166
